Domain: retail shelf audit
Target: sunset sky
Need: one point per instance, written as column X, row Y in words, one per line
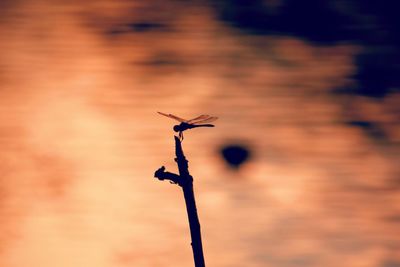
column 312, row 92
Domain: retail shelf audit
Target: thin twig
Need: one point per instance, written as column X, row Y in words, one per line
column 185, row 180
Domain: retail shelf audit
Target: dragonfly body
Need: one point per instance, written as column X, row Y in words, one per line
column 200, row 121
column 183, row 126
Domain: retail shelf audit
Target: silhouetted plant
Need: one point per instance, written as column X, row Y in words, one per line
column 185, row 180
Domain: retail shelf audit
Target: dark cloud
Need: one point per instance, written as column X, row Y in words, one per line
column 372, row 24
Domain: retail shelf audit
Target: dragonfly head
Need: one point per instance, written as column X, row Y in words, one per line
column 177, row 128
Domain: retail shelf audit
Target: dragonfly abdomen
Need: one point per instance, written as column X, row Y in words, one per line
column 201, row 125
column 185, row 126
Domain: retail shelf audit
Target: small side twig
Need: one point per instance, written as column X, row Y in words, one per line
column 161, row 174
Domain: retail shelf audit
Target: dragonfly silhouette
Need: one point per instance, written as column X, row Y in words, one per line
column 200, row 121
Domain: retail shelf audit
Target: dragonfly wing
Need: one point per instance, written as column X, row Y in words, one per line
column 164, row 114
column 207, row 120
column 172, row 116
column 176, row 118
column 199, row 118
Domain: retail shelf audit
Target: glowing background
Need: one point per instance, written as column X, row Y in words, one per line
column 80, row 139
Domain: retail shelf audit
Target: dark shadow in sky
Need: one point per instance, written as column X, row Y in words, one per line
column 372, row 24
column 235, row 154
column 378, row 73
column 391, row 263
column 371, row 129
column 315, row 21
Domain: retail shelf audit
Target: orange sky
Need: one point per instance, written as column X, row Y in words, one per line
column 81, row 140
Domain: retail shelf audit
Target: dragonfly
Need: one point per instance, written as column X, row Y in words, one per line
column 199, row 121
